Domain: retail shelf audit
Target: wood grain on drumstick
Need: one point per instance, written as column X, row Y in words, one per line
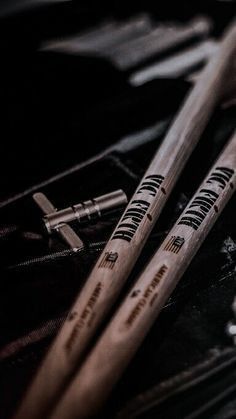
column 130, row 325
column 129, row 237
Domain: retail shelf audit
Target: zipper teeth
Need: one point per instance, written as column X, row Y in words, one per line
column 44, row 258
column 92, row 247
column 95, row 246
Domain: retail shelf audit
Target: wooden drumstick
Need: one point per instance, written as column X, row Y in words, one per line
column 123, row 248
column 130, row 325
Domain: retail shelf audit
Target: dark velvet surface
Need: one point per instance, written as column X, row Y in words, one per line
column 77, row 118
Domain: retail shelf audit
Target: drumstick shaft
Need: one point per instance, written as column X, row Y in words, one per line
column 130, row 325
column 129, row 237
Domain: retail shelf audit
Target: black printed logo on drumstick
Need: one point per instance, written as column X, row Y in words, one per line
column 108, row 260
column 174, row 244
column 138, row 208
column 205, row 200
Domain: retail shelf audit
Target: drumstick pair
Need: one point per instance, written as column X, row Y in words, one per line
column 129, row 237
column 126, row 331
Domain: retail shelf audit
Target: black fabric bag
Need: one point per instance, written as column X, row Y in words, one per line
column 73, row 128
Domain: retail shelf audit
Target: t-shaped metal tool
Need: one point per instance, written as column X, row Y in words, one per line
column 83, row 212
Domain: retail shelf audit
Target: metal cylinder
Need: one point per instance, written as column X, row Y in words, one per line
column 86, row 211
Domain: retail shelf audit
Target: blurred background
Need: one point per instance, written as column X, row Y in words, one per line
column 70, row 70
column 88, row 90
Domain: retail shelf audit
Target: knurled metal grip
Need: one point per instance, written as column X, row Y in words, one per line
column 86, row 211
